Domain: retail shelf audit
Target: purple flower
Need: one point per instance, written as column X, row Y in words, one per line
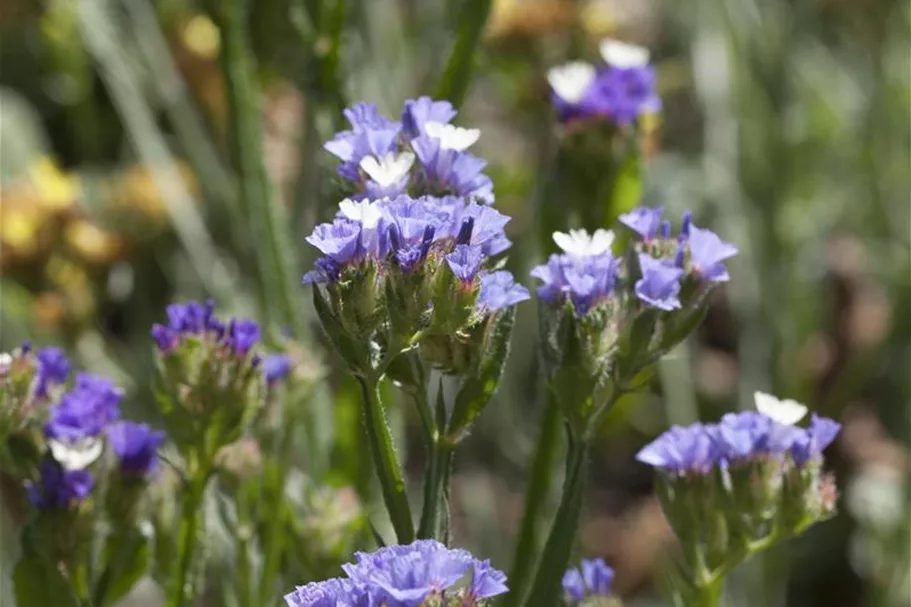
column 191, row 317
column 53, row 368
column 574, row 585
column 418, row 112
column 479, row 225
column 599, row 578
column 325, row 271
column 707, row 254
column 363, row 116
column 465, row 262
column 276, row 367
column 371, row 134
column 643, row 220
column 660, row 283
column 681, row 450
column 744, row 435
column 499, row 290
column 136, row 447
column 445, row 171
column 166, row 339
column 243, row 335
column 630, row 91
column 59, row 488
column 85, row 411
column 331, row 593
column 815, row 439
column 585, row 280
column 406, row 576
column 339, row 240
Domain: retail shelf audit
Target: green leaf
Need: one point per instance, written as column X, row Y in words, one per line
column 126, row 559
column 457, row 73
column 479, row 386
column 38, row 583
column 626, row 189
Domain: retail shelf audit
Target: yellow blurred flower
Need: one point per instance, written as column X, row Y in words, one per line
column 201, row 37
column 527, row 18
column 92, row 243
column 137, row 192
column 55, row 189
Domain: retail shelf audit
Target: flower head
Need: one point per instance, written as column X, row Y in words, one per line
column 86, row 410
column 277, row 367
column 580, row 244
column 498, row 291
column 643, row 220
column 136, row 447
column 417, row 113
column 707, row 254
column 585, row 281
column 465, row 262
column 660, row 283
column 59, row 487
column 681, row 450
column 595, row 579
column 53, row 369
column 810, row 445
column 331, row 593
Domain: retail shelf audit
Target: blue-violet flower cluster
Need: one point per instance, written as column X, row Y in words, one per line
column 594, row 579
column 422, row 572
column 621, row 90
column 237, row 336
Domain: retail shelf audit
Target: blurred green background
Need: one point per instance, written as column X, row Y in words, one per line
column 785, row 128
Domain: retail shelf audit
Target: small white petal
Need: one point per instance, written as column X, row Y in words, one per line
column 623, row 55
column 387, row 169
column 578, row 242
column 76, row 456
column 365, row 212
column 571, row 80
column 785, row 411
column 452, row 137
column 6, row 360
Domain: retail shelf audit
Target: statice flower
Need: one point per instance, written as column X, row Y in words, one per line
column 621, row 90
column 331, row 593
column 53, row 369
column 79, row 420
column 136, row 447
column 59, row 487
column 423, row 154
column 498, row 291
column 594, row 580
column 198, row 321
column 681, row 450
column 584, row 280
column 660, row 283
column 276, row 367
column 707, row 255
column 645, row 221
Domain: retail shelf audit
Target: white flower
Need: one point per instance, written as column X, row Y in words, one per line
column 76, row 456
column 571, row 80
column 623, row 55
column 580, row 244
column 452, row 137
column 6, row 361
column 785, row 411
column 388, row 168
column 365, row 212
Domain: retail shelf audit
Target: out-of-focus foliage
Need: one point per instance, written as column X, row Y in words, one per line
column 785, row 125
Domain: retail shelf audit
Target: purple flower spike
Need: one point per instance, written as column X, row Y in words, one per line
column 660, row 283
column 136, row 447
column 53, row 368
column 60, row 488
column 707, row 254
column 645, row 221
column 418, row 112
column 465, row 262
column 276, row 367
column 498, row 291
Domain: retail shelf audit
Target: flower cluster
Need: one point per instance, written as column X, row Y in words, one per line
column 423, row 153
column 621, row 90
column 422, row 573
column 412, row 264
column 735, row 487
column 27, row 381
column 737, row 439
column 237, row 336
column 595, row 579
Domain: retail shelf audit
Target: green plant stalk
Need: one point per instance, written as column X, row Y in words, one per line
column 457, row 73
column 708, row 594
column 244, row 565
column 557, row 551
column 257, row 195
column 276, row 494
column 536, row 493
column 436, row 490
column 184, row 590
column 382, row 448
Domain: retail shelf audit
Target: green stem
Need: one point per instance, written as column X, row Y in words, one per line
column 708, row 594
column 276, row 494
column 379, row 440
column 436, row 490
column 546, row 589
column 277, row 289
column 184, row 590
column 244, row 565
column 536, row 493
column 457, row 73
